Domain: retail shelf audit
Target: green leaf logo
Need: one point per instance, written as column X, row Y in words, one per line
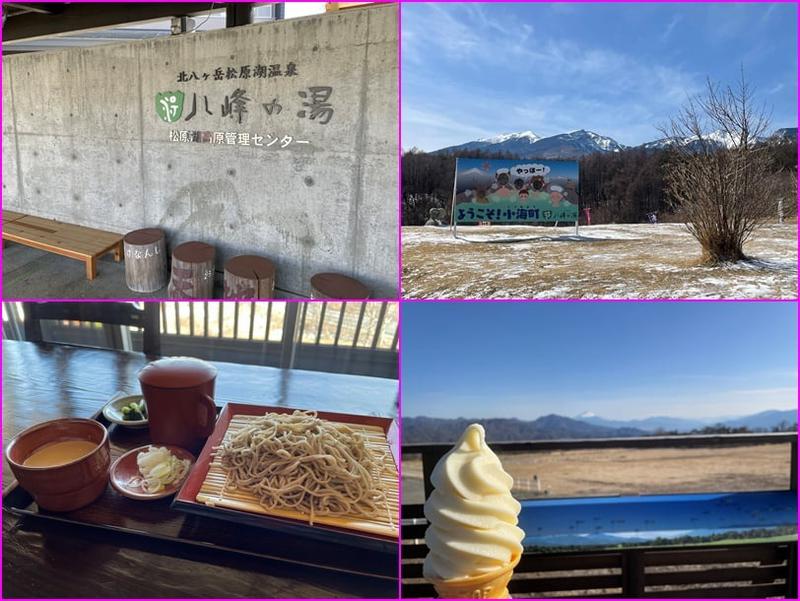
column 169, row 106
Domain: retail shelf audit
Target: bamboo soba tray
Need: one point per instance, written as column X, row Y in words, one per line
column 205, row 491
column 214, row 494
column 371, row 558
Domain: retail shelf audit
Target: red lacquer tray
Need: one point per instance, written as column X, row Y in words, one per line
column 187, row 497
column 373, row 560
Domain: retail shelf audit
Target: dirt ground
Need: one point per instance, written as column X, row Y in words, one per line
column 633, row 471
column 603, row 261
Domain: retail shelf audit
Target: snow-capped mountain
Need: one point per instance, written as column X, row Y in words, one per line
column 500, row 138
column 527, row 144
column 718, row 138
column 786, row 133
column 575, row 144
column 662, row 143
column 516, row 143
column 581, row 142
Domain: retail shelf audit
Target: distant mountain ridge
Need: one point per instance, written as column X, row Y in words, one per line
column 548, row 427
column 586, row 425
column 765, row 420
column 650, row 424
column 579, row 143
column 786, row 133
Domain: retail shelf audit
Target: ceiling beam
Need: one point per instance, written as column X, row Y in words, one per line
column 239, row 13
column 44, row 8
column 79, row 17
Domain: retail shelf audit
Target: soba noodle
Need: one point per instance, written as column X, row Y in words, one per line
column 307, row 464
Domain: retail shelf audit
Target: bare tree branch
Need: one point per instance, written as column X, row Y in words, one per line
column 720, row 175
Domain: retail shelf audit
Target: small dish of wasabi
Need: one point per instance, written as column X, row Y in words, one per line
column 127, row 411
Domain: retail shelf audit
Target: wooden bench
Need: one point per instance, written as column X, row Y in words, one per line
column 74, row 241
column 11, row 216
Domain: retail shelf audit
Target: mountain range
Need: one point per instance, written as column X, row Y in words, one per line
column 547, row 427
column 765, row 420
column 586, row 425
column 579, row 143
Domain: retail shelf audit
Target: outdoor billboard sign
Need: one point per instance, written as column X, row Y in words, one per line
column 515, row 191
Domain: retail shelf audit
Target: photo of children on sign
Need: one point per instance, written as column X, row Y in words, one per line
column 511, row 191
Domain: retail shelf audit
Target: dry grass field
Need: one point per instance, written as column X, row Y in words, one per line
column 604, row 261
column 634, row 471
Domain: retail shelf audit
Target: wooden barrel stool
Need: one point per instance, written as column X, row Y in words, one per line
column 192, row 271
column 249, row 276
column 336, row 285
column 145, row 260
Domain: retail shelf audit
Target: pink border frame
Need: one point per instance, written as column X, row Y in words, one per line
column 399, row 299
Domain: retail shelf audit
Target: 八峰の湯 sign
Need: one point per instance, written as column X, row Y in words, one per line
column 271, row 115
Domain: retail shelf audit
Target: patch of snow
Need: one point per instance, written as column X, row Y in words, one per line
column 500, row 138
column 625, row 261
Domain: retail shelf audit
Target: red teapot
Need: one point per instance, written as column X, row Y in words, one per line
column 179, row 393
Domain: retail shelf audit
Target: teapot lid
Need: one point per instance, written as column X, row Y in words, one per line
column 177, row 372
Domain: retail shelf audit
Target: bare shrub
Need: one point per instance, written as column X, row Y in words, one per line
column 720, row 175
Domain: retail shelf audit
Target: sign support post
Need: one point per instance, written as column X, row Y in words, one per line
column 453, row 205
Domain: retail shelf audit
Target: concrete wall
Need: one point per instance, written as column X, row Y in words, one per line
column 82, row 142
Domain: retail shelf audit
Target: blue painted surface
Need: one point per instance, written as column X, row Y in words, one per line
column 605, row 521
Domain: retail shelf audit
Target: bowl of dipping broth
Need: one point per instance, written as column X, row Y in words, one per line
column 62, row 463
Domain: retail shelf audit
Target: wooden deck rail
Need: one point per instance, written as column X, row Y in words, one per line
column 714, row 570
column 755, row 570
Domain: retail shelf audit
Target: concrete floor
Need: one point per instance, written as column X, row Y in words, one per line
column 31, row 273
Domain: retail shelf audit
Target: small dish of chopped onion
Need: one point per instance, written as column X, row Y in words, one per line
column 151, row 472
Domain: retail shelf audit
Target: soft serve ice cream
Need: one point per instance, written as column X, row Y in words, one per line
column 473, row 517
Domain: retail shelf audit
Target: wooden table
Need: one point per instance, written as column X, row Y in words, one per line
column 46, row 381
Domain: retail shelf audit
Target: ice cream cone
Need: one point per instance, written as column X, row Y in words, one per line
column 492, row 585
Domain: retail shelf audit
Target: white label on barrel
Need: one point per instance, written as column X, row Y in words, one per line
column 141, row 254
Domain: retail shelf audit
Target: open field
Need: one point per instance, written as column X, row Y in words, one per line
column 634, row 471
column 604, row 261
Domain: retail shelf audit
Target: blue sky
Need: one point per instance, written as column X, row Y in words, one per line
column 476, row 70
column 618, row 360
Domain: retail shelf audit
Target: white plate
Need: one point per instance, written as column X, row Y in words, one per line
column 113, row 411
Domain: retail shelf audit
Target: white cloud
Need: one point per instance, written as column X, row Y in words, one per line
column 573, row 83
column 434, row 129
column 673, row 22
column 775, row 89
